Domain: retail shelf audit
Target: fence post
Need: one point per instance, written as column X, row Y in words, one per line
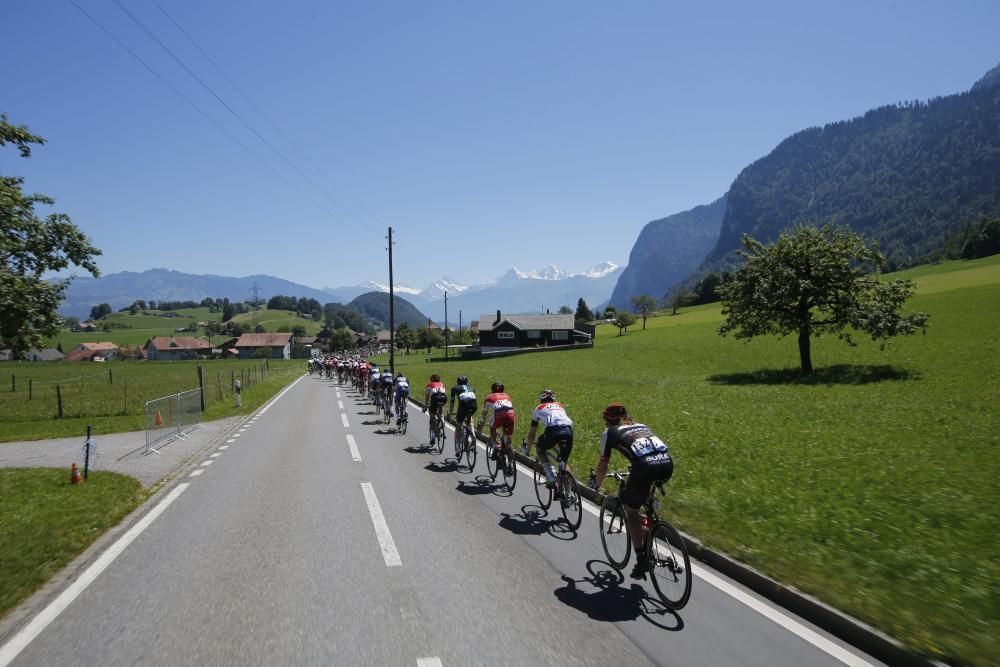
column 218, row 379
column 232, row 379
column 125, row 400
column 30, row 387
column 13, row 382
column 59, row 400
column 111, row 379
column 201, row 385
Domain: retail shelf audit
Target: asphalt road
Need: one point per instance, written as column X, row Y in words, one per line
column 314, row 536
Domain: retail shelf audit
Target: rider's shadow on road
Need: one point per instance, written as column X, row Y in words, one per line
column 479, row 488
column 608, row 601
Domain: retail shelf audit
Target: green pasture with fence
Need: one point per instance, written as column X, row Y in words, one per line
column 58, row 399
column 871, row 485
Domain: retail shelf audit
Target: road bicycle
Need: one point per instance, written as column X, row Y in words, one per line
column 665, row 551
column 465, row 443
column 387, row 404
column 502, row 460
column 565, row 485
column 437, row 432
column 401, row 415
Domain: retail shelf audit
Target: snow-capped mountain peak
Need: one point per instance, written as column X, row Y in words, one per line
column 437, row 288
column 601, row 270
column 372, row 286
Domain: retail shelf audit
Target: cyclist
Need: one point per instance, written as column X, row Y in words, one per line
column 373, row 376
column 500, row 406
column 466, row 397
column 650, row 460
column 557, row 428
column 435, row 396
column 385, row 386
column 402, row 393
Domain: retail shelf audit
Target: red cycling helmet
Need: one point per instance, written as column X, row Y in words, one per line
column 614, row 412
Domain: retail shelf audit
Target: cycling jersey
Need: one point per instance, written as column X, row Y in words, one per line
column 550, row 415
column 501, row 407
column 435, row 395
column 467, row 402
column 402, row 389
column 636, row 442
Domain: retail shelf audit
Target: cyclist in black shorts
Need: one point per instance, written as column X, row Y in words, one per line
column 650, row 461
column 466, row 398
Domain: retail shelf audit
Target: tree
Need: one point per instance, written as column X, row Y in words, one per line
column 99, row 311
column 406, row 337
column 624, row 320
column 583, row 313
column 811, row 281
column 610, row 311
column 259, row 329
column 228, row 311
column 984, row 241
column 299, row 331
column 644, row 305
column 565, row 310
column 342, row 339
column 429, row 338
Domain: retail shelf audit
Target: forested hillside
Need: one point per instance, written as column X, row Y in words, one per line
column 910, row 176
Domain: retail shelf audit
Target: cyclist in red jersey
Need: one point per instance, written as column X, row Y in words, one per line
column 435, row 396
column 501, row 407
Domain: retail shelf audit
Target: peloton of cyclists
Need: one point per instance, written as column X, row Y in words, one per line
column 435, row 396
column 650, row 460
column 557, row 428
column 499, row 409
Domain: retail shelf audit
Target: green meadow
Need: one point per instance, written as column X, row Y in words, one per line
column 872, row 485
column 110, row 396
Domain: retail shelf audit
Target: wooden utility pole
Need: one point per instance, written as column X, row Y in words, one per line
column 392, row 315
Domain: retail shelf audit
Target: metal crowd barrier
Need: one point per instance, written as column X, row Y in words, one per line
column 172, row 417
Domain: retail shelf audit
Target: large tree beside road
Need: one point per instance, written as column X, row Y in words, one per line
column 813, row 281
column 31, row 247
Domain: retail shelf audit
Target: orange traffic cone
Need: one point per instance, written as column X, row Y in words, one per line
column 74, row 475
column 159, row 419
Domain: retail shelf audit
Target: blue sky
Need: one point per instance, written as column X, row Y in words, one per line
column 488, row 134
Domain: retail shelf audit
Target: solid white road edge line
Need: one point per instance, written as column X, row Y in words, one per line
column 276, row 398
column 355, row 454
column 429, row 662
column 771, row 613
column 21, row 640
column 389, row 552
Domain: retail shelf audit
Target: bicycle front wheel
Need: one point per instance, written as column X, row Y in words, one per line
column 614, row 533
column 493, row 460
column 572, row 509
column 669, row 565
column 542, row 491
column 509, row 466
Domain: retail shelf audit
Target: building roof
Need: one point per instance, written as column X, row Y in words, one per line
column 97, row 346
column 167, row 343
column 47, row 354
column 384, row 335
column 544, row 322
column 83, row 355
column 264, row 340
column 304, row 340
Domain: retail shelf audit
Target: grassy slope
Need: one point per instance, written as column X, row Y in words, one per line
column 872, row 487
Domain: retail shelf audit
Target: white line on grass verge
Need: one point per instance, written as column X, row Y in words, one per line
column 355, row 454
column 389, row 552
column 21, row 640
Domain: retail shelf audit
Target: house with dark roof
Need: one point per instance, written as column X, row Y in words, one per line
column 279, row 344
column 175, row 348
column 526, row 331
column 47, row 354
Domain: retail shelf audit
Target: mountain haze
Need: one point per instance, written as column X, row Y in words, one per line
column 376, row 306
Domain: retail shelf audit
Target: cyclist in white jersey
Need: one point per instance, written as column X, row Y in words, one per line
column 557, row 428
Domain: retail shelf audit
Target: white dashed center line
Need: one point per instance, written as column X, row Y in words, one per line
column 343, row 418
column 389, row 552
column 355, row 454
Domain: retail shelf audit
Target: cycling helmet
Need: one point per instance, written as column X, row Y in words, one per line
column 400, row 374
column 547, row 396
column 614, row 412
column 496, row 387
column 463, row 380
column 435, row 377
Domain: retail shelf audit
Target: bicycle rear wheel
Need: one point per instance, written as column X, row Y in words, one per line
column 614, row 533
column 403, row 421
column 459, row 444
column 470, row 449
column 572, row 509
column 509, row 466
column 542, row 492
column 669, row 565
column 440, row 438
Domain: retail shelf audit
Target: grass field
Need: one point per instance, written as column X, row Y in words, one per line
column 110, row 396
column 872, row 485
column 45, row 522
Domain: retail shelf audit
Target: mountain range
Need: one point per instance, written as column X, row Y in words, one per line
column 911, row 176
column 512, row 291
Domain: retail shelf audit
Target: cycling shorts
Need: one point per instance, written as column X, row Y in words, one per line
column 504, row 419
column 465, row 410
column 642, row 478
column 402, row 393
column 554, row 435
